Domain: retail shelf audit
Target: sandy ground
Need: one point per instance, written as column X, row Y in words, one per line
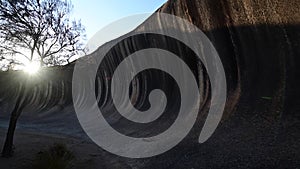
column 28, row 144
column 242, row 141
column 251, row 145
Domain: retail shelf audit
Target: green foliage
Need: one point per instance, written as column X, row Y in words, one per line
column 57, row 157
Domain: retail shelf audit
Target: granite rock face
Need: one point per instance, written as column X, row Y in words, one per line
column 257, row 41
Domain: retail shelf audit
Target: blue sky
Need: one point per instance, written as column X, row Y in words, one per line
column 96, row 14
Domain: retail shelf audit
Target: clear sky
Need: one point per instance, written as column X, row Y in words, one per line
column 96, row 14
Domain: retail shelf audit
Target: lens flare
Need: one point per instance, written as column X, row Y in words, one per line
column 32, row 68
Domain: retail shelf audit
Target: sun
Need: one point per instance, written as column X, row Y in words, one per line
column 32, row 68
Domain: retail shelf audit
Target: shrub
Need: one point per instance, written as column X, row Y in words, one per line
column 56, row 157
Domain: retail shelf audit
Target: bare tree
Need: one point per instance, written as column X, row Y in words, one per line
column 43, row 27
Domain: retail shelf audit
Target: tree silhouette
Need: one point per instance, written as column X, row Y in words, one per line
column 39, row 28
column 43, row 28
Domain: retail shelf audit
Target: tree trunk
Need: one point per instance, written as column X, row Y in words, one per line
column 20, row 104
column 8, row 145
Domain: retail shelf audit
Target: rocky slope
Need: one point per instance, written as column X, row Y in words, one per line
column 258, row 43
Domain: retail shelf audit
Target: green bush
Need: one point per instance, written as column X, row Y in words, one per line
column 57, row 157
